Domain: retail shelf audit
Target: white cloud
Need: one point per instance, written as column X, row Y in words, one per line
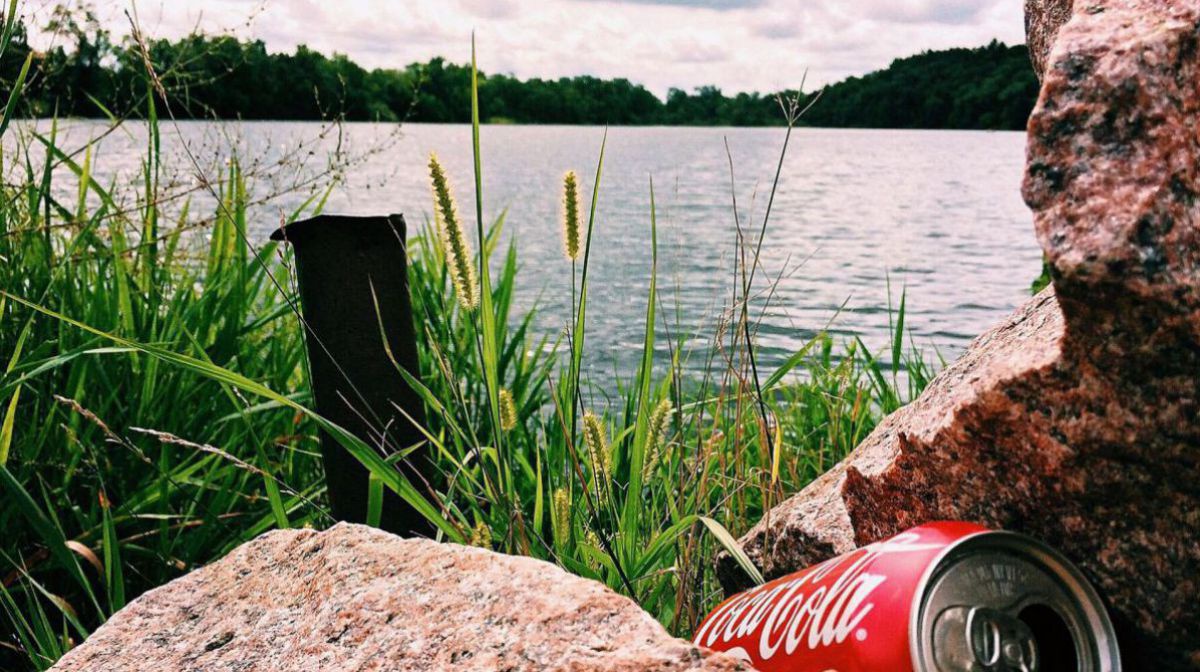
column 738, row 45
column 719, row 5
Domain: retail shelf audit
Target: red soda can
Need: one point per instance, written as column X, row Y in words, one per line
column 942, row 597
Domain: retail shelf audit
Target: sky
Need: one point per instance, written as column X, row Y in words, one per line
column 737, row 45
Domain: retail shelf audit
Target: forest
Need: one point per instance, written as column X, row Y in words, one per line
column 89, row 74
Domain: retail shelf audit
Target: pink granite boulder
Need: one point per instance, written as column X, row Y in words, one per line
column 356, row 599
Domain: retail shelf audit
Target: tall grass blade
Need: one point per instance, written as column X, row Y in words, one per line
column 10, row 25
column 113, row 573
column 10, row 414
column 580, row 328
column 15, row 95
column 148, row 249
column 897, row 333
column 731, row 546
column 374, row 500
column 487, row 314
column 637, row 456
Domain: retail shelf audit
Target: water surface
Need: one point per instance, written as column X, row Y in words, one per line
column 937, row 212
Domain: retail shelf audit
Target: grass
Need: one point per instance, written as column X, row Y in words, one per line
column 155, row 412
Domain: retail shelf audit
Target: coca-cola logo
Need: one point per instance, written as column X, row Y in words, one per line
column 820, row 607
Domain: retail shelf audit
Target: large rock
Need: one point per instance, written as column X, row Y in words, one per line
column 354, row 598
column 1076, row 420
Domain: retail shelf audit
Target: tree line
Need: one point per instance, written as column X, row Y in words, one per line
column 88, row 74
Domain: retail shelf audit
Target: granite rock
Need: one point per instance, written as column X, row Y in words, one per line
column 1075, row 421
column 1043, row 18
column 355, row 598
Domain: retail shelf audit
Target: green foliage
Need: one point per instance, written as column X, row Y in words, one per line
column 1044, row 278
column 85, row 477
column 990, row 87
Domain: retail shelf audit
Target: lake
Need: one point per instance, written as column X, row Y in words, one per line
column 937, row 212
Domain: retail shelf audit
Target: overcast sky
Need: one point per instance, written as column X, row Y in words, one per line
column 738, row 45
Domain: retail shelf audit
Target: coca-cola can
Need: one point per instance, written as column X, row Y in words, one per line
column 942, row 597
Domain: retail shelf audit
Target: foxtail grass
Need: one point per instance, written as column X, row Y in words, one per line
column 659, row 421
column 570, row 215
column 595, row 438
column 458, row 253
column 508, row 411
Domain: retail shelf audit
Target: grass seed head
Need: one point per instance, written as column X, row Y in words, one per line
column 561, row 512
column 660, row 418
column 595, row 438
column 571, row 215
column 508, row 411
column 481, row 536
column 454, row 243
column 592, row 539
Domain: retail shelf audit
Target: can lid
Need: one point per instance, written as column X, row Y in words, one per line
column 1000, row 602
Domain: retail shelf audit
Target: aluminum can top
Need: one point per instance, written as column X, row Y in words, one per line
column 941, row 597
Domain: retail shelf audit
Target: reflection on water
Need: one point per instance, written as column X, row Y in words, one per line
column 938, row 212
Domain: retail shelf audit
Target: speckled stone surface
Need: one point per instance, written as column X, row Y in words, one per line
column 353, row 598
column 1043, row 18
column 1076, row 420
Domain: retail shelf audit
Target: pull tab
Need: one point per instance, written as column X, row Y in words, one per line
column 979, row 639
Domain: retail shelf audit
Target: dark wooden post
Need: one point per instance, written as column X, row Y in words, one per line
column 339, row 260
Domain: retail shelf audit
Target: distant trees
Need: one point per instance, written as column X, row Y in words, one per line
column 88, row 75
column 990, row 87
